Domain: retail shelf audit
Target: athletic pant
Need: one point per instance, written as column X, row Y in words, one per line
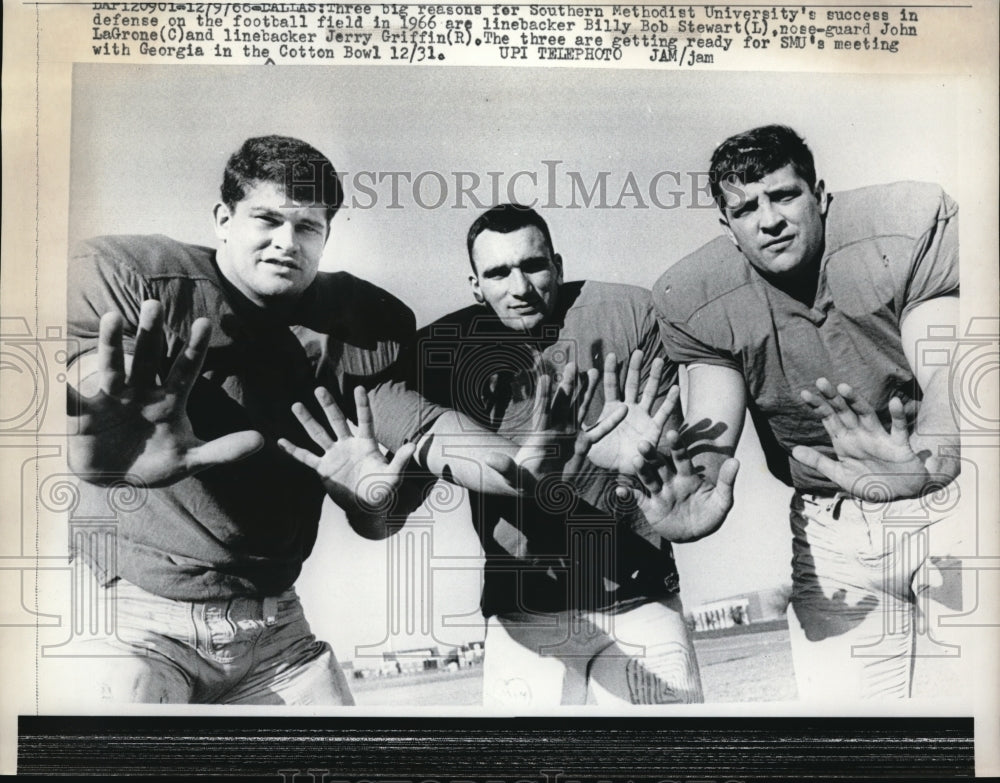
column 639, row 655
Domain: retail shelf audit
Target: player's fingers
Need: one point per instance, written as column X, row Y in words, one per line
column 860, row 410
column 590, row 387
column 148, row 345
column 652, row 388
column 506, row 467
column 861, row 407
column 366, row 425
column 312, row 427
column 605, row 425
column 816, row 402
column 539, row 413
column 110, row 354
column 726, row 481
column 228, row 448
column 898, row 429
column 76, row 403
column 666, row 407
column 562, row 412
column 822, row 409
column 628, row 495
column 335, row 416
column 188, row 364
column 632, row 376
column 811, row 458
column 825, row 387
column 648, row 469
column 574, row 465
column 304, row 456
column 398, row 462
column 679, row 455
column 610, row 378
column 833, row 398
column 568, row 381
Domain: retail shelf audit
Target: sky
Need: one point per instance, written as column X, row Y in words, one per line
column 420, row 150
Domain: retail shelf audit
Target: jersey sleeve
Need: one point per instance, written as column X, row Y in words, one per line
column 934, row 264
column 686, row 340
column 401, row 415
column 101, row 280
column 653, row 348
column 371, row 345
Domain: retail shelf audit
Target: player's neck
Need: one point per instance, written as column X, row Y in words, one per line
column 802, row 284
column 272, row 310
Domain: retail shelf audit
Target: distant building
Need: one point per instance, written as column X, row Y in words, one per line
column 415, row 660
column 421, row 659
column 744, row 609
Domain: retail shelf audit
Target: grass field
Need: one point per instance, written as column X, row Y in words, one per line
column 742, row 668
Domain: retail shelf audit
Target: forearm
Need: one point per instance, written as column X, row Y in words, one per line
column 713, row 417
column 935, row 433
column 708, row 459
column 455, row 449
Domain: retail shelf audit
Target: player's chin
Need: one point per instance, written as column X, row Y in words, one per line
column 523, row 322
column 280, row 284
column 277, row 295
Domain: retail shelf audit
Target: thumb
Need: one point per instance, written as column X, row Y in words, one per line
column 75, row 402
column 401, row 457
column 516, row 476
column 628, row 495
column 502, row 464
column 228, row 448
column 726, row 481
column 934, row 465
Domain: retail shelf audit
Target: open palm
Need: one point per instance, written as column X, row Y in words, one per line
column 136, row 429
column 616, row 452
column 677, row 500
column 354, row 471
column 870, row 462
column 557, row 442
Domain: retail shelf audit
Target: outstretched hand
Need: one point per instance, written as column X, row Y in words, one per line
column 617, row 451
column 135, row 428
column 556, row 418
column 677, row 500
column 870, row 462
column 355, row 473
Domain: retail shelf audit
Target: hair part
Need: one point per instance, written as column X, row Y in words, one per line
column 505, row 219
column 752, row 155
column 306, row 174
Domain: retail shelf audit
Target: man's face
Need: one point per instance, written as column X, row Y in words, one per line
column 270, row 246
column 517, row 275
column 777, row 222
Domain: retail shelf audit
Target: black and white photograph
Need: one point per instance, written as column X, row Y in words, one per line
column 479, row 392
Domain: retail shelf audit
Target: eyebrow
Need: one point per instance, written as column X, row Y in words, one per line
column 269, row 212
column 507, row 265
column 265, row 211
column 782, row 190
column 743, row 205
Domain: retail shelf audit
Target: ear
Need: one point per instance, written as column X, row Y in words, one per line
column 222, row 215
column 729, row 232
column 822, row 197
column 477, row 292
column 558, row 264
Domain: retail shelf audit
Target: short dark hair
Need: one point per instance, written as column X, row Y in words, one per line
column 305, row 173
column 752, row 155
column 506, row 218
